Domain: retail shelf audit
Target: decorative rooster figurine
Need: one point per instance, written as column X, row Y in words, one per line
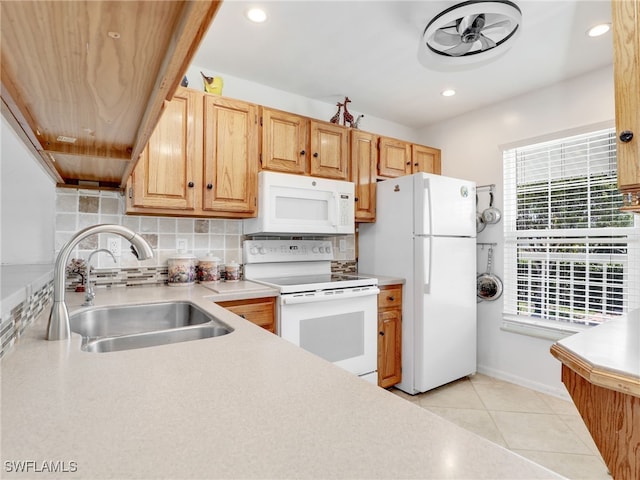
column 336, row 117
column 212, row 84
column 347, row 117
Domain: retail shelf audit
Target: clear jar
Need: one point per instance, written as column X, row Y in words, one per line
column 208, row 270
column 232, row 272
column 182, row 270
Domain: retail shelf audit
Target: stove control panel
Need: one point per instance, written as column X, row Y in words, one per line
column 270, row 251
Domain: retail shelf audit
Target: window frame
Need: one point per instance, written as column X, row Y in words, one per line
column 539, row 326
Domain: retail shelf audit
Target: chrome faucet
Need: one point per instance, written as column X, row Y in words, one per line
column 89, row 293
column 58, row 327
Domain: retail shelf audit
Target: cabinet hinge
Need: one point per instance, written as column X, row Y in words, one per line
column 260, row 121
column 261, row 159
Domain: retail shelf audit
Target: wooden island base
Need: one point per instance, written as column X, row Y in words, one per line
column 613, row 419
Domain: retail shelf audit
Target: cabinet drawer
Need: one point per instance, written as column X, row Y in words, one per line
column 390, row 297
column 260, row 311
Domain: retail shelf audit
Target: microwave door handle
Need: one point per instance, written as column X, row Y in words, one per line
column 336, row 210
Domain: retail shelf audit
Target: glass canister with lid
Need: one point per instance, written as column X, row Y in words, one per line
column 232, row 271
column 208, row 270
column 182, row 270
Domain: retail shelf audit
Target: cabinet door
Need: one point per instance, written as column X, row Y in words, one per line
column 230, row 179
column 165, row 175
column 626, row 64
column 425, row 159
column 284, row 142
column 364, row 158
column 389, row 335
column 389, row 347
column 260, row 311
column 395, row 158
column 329, row 150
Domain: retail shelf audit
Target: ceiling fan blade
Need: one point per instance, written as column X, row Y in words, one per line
column 501, row 24
column 445, row 38
column 459, row 50
column 486, row 42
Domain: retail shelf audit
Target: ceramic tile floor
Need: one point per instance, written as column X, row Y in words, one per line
column 543, row 428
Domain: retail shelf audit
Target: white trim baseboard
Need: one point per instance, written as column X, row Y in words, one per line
column 559, row 392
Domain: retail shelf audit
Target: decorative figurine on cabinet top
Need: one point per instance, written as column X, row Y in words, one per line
column 336, row 118
column 212, row 84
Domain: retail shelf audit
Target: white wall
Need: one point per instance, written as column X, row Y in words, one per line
column 248, row 91
column 470, row 150
column 28, row 200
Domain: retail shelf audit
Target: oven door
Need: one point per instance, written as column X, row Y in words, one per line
column 338, row 325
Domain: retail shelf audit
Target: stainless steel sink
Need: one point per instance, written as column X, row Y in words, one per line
column 110, row 329
column 152, row 339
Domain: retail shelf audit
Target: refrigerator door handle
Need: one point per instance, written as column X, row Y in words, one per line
column 426, row 264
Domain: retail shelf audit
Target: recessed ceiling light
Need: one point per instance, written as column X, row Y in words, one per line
column 448, row 93
column 598, row 30
column 256, row 15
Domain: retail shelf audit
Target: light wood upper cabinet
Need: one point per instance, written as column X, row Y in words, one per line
column 329, row 150
column 364, row 157
column 425, row 159
column 231, row 152
column 167, row 172
column 284, row 142
column 398, row 158
column 300, row 145
column 395, row 158
column 626, row 62
column 202, row 160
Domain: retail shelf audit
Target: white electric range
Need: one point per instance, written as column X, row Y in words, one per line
column 334, row 316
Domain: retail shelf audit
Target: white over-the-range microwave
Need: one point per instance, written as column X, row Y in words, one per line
column 300, row 205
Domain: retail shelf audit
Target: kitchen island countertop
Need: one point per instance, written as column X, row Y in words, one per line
column 244, row 405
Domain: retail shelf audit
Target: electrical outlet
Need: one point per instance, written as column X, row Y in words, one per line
column 113, row 245
column 181, row 244
column 343, row 245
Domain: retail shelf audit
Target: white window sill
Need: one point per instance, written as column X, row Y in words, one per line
column 545, row 329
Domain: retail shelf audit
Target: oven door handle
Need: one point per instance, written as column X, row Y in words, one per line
column 296, row 298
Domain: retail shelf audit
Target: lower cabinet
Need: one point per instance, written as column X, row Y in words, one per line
column 261, row 311
column 389, row 335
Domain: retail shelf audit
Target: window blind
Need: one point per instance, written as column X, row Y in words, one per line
column 571, row 256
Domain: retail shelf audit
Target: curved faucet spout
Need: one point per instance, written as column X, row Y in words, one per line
column 58, row 327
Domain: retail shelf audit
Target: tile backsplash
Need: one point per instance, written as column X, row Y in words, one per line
column 78, row 209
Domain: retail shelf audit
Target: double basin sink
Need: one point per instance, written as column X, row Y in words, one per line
column 127, row 327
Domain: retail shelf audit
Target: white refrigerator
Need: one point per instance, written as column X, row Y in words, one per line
column 425, row 232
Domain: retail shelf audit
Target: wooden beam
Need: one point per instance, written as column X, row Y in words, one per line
column 190, row 29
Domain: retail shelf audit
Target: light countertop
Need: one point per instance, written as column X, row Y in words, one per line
column 384, row 280
column 607, row 355
column 245, row 405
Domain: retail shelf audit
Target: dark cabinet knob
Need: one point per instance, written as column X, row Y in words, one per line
column 355, row 199
column 626, row 136
column 190, row 184
column 415, row 164
column 381, row 334
column 408, row 163
column 315, row 155
column 302, row 152
column 209, row 186
column 391, row 299
column 243, row 316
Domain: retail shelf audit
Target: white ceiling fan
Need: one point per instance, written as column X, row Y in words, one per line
column 469, row 33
